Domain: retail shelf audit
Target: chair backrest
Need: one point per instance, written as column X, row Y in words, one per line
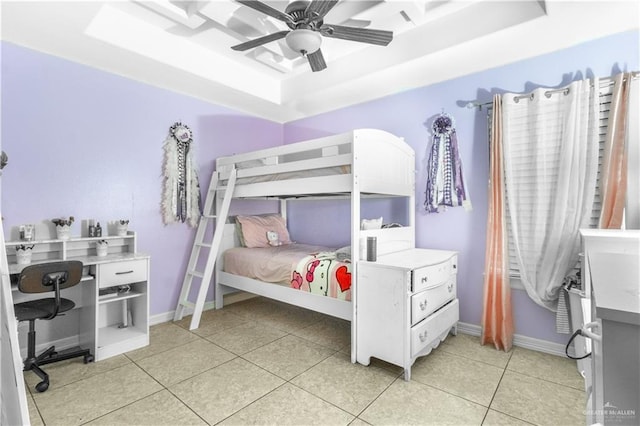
column 41, row 278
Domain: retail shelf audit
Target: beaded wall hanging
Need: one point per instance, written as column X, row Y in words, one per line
column 181, row 192
column 445, row 182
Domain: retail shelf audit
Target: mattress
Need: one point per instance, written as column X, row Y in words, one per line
column 305, row 267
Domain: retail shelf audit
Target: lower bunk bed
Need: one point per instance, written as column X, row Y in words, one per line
column 313, row 277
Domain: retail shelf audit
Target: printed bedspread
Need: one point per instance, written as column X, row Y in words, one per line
column 321, row 273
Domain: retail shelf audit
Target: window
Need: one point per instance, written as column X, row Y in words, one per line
column 603, row 118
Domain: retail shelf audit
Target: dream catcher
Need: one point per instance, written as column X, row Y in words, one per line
column 181, row 193
column 445, row 183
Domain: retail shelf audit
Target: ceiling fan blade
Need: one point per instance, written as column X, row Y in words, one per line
column 318, row 8
column 363, row 35
column 316, row 60
column 260, row 41
column 267, row 10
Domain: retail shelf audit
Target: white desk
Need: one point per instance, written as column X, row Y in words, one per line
column 107, row 325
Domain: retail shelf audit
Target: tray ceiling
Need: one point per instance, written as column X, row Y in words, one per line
column 185, row 45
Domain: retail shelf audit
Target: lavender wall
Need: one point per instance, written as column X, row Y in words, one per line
column 88, row 143
column 85, row 142
column 405, row 114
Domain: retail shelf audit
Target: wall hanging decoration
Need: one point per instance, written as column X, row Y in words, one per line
column 181, row 192
column 445, row 182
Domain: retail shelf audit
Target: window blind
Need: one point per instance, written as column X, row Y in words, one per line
column 524, row 163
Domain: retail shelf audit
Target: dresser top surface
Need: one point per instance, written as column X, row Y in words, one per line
column 415, row 258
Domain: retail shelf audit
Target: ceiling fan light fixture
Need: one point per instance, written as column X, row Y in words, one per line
column 304, row 41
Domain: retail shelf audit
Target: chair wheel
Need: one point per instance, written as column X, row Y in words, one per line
column 88, row 359
column 42, row 386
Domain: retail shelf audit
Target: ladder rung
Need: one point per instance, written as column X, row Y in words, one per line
column 187, row 304
column 204, row 245
column 208, row 216
column 196, row 273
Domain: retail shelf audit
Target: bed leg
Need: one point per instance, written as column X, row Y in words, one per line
column 219, row 297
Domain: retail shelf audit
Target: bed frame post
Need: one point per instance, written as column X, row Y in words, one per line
column 355, row 244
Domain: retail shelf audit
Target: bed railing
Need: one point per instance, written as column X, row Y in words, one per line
column 376, row 160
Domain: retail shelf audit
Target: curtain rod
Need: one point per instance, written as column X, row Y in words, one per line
column 604, row 82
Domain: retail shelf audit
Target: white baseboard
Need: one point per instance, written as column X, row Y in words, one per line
column 227, row 300
column 519, row 340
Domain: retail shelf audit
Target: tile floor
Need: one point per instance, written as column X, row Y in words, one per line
column 264, row 362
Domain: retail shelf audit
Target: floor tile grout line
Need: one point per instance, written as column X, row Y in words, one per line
column 511, row 416
column 123, row 406
column 546, row 380
column 475, row 359
column 187, row 406
column 398, row 377
column 504, row 370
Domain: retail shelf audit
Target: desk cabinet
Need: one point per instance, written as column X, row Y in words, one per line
column 122, row 313
column 406, row 305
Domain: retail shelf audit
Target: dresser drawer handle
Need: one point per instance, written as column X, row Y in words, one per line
column 423, row 337
column 424, row 280
column 124, row 272
column 450, row 287
column 423, row 305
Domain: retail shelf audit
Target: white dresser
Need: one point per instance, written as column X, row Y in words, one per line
column 406, row 305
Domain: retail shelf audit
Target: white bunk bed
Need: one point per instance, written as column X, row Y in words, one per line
column 358, row 164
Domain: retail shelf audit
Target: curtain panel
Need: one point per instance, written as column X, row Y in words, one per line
column 550, row 148
column 497, row 318
column 614, row 165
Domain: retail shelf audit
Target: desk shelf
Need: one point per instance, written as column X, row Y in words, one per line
column 75, row 248
column 120, row 297
column 113, row 340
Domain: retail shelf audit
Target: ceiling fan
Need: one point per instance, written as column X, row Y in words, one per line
column 305, row 18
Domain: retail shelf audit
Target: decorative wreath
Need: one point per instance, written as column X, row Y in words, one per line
column 444, row 124
column 181, row 133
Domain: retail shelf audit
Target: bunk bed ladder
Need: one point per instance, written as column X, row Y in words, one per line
column 203, row 240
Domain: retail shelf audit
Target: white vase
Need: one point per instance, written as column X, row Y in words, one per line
column 102, row 249
column 63, row 232
column 122, row 229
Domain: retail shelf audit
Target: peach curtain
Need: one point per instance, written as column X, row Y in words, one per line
column 497, row 318
column 614, row 166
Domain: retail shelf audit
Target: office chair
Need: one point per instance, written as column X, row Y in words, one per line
column 44, row 278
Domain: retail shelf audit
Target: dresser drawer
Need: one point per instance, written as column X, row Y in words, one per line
column 430, row 329
column 433, row 275
column 120, row 273
column 427, row 301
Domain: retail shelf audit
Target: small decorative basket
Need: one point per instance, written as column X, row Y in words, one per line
column 102, row 247
column 23, row 255
column 63, row 232
column 63, row 227
column 121, row 227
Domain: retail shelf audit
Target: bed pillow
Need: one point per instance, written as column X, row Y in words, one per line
column 255, row 228
column 368, row 224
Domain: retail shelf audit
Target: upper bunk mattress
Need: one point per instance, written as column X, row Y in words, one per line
column 301, row 266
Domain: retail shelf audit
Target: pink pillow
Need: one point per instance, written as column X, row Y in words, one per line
column 254, row 229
